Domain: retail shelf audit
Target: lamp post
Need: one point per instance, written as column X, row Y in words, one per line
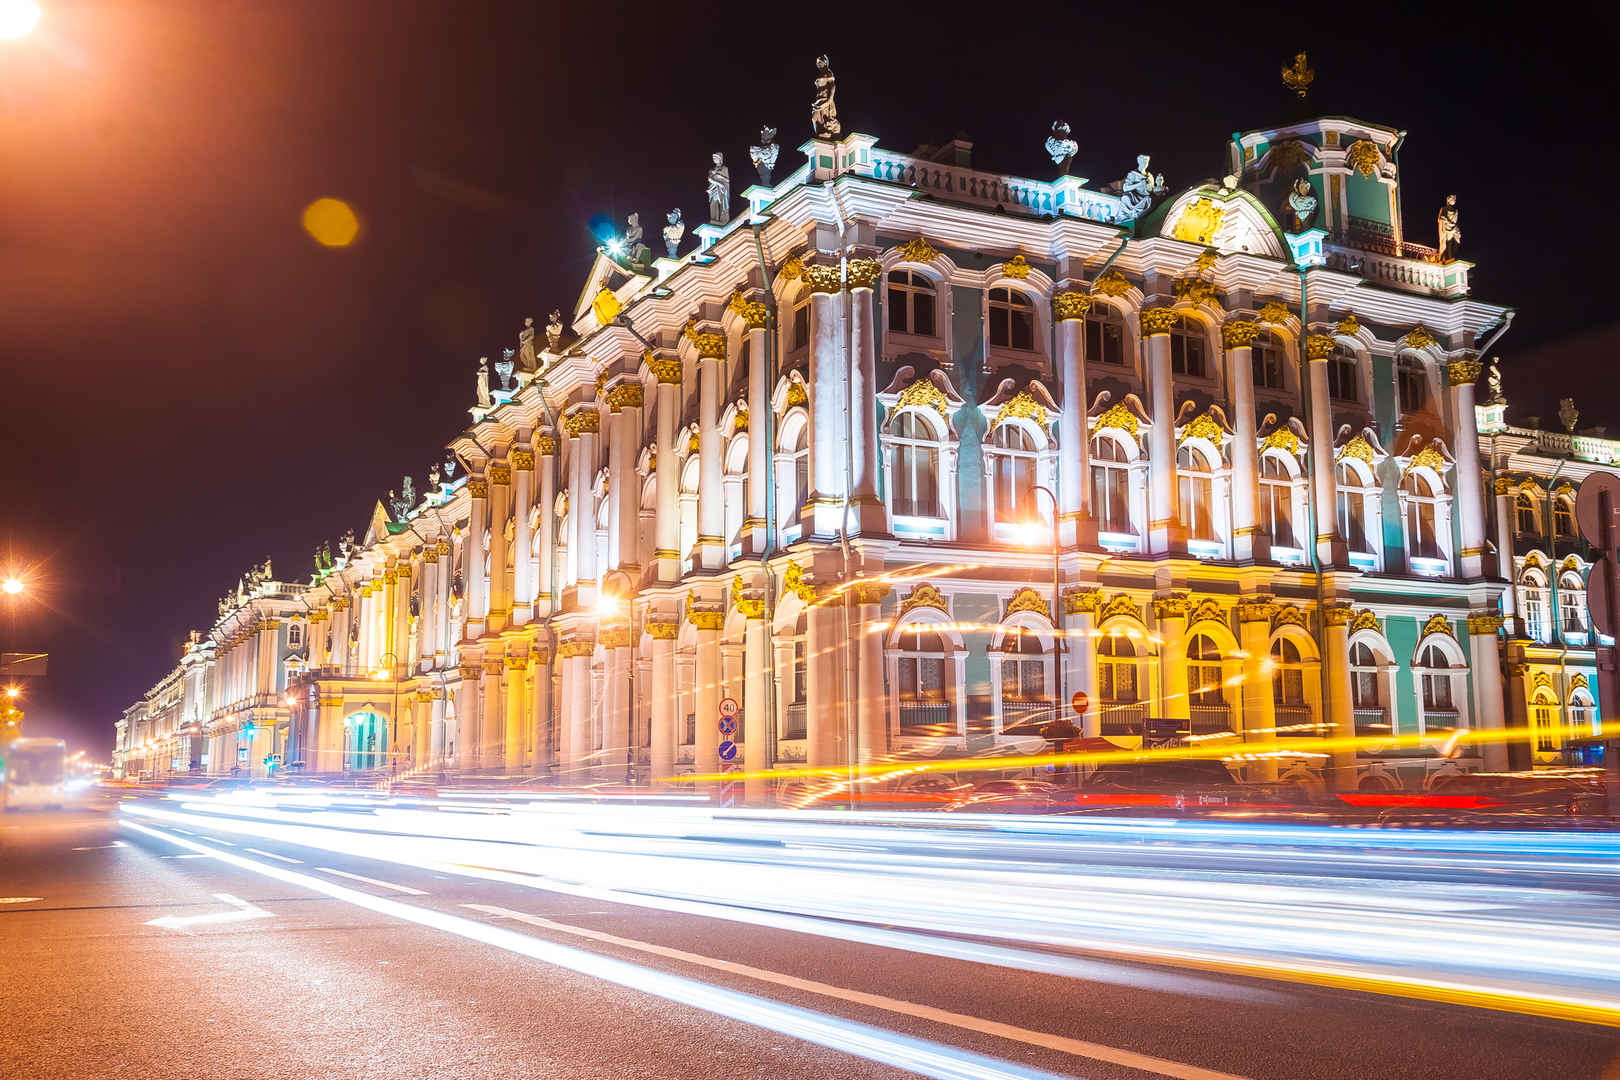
column 605, row 605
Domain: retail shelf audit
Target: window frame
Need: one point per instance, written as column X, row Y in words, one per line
column 902, row 298
column 1012, row 300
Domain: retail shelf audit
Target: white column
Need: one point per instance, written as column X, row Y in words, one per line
column 872, row 704
column 1490, row 712
column 863, row 276
column 1238, row 337
column 1330, row 548
column 523, row 589
column 500, row 575
column 1164, row 531
column 665, row 703
column 667, row 468
column 584, row 426
column 759, row 448
column 1074, row 450
column 711, row 539
column 828, row 386
column 626, row 482
column 706, row 744
column 1470, row 498
column 620, row 477
column 545, row 449
column 756, row 718
column 824, row 691
column 477, row 584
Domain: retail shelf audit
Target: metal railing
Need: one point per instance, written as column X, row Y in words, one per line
column 1015, row 711
column 1208, row 719
column 1123, row 719
column 1372, row 722
column 926, row 718
column 796, row 725
column 1296, row 722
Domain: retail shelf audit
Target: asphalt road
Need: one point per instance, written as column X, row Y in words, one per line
column 190, row 951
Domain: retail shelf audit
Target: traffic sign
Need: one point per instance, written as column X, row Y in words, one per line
column 1080, row 701
column 728, row 726
column 1598, row 598
column 1597, row 511
column 728, row 706
column 728, row 750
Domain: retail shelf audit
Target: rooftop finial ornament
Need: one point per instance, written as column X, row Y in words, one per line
column 1299, row 76
column 1061, row 146
column 824, row 109
column 764, row 154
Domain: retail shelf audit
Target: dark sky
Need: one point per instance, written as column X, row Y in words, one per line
column 191, row 384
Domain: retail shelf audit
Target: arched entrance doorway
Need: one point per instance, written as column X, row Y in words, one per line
column 365, row 741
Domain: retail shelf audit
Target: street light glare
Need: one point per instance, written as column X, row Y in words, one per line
column 12, row 691
column 17, row 18
column 12, row 585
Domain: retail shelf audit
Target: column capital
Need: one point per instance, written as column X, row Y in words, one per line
column 664, row 630
column 823, row 279
column 1463, row 372
column 545, row 444
column 709, row 346
column 753, row 313
column 573, row 650
column 869, row 592
column 626, row 395
column 1318, row 347
column 1081, row 601
column 863, row 273
column 1240, row 334
column 478, row 488
column 1173, row 606
column 1068, row 306
column 582, row 422
column 500, row 474
column 617, row 637
column 666, row 369
column 1159, row 320
column 523, row 460
column 1338, row 614
column 1258, row 609
column 1484, row 625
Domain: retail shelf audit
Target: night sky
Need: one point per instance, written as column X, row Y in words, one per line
column 191, row 384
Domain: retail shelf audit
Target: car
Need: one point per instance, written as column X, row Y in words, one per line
column 1501, row 800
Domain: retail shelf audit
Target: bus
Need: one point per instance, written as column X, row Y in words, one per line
column 34, row 774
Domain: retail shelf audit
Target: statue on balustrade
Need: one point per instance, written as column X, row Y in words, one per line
column 719, row 191
column 637, row 253
column 1450, row 231
column 824, row 109
column 1301, row 205
column 554, row 331
column 504, row 367
column 483, row 382
column 1493, row 383
column 764, row 154
column 1061, row 146
column 1138, row 189
column 674, row 231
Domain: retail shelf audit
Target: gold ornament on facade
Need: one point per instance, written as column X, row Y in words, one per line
column 924, row 394
column 1261, row 609
column 1428, row 458
column 1016, row 268
column 1021, row 406
column 1284, row 439
column 1195, row 291
column 1119, row 418
column 625, row 396
column 694, row 443
column 1348, row 326
column 1120, row 606
column 523, row 460
column 666, row 369
column 470, row 669
column 1419, row 338
column 478, row 489
column 925, row 595
column 1364, row 620
column 1438, row 624
column 572, row 650
column 701, row 619
column 796, row 394
column 586, row 421
column 1202, row 426
column 1070, row 305
column 664, row 631
column 1207, row 610
column 793, row 581
column 1081, row 601
column 444, row 547
column 792, row 270
column 606, row 306
column 1338, row 614
column 1363, row 157
column 1027, row 599
column 500, row 474
column 1578, row 682
column 1198, row 222
column 615, row 638
column 1358, row 448
column 823, row 279
column 1318, row 347
column 750, row 607
column 1299, row 75
column 918, row 251
column 1541, row 680
column 1159, row 320
column 709, row 346
column 1112, row 283
column 1273, row 313
column 545, row 444
column 1205, row 262
column 1287, row 615
column 1484, row 625
column 1173, row 606
column 1463, row 372
column 869, row 592
column 863, row 273
column 739, row 422
column 753, row 313
column 1239, row 335
column 513, row 663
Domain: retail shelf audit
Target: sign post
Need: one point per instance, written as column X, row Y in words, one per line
column 1597, row 513
column 728, row 749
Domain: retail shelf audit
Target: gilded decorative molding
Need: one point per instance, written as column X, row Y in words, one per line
column 1428, row 458
column 1195, row 291
column 1067, row 306
column 1318, row 347
column 924, row 595
column 1578, row 682
column 1206, row 261
column 1437, row 624
column 1239, row 335
column 793, row 581
column 501, row 474
column 863, row 273
column 340, row 603
column 1112, row 283
column 701, row 619
column 709, row 346
column 750, row 607
column 1158, row 320
column 1079, row 601
column 739, row 422
column 1284, row 439
column 869, row 592
column 1348, row 326
column 664, row 630
column 616, row 638
column 666, row 369
column 606, row 305
column 1021, row 405
column 1273, row 313
column 1463, row 372
column 425, row 696
column 1541, row 680
column 625, row 396
column 1365, row 620
column 545, row 444
column 523, row 460
column 1199, row 221
column 1207, row 610
column 582, row 422
column 1120, row 606
column 1287, row 615
column 1358, row 448
column 1363, row 157
column 443, row 547
column 1202, row 426
column 694, row 443
column 918, row 251
column 478, row 488
column 573, row 650
column 796, row 394
column 1119, row 418
column 924, row 394
column 1016, row 268
column 1484, row 625
column 753, row 313
column 1173, row 606
column 1338, row 614
column 792, row 270
column 1419, row 337
column 1258, row 609
column 823, row 279
column 1027, row 599
column 470, row 669
column 516, row 663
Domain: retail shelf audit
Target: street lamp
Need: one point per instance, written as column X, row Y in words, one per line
column 17, row 18
column 12, row 586
column 605, row 606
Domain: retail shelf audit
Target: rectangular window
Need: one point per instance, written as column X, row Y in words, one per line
column 1110, row 497
column 1268, row 368
column 1105, row 342
column 1187, row 355
column 1352, row 520
column 1342, row 382
column 801, row 327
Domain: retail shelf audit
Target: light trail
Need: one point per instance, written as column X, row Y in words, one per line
column 1249, row 900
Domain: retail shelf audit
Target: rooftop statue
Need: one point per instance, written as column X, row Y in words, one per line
column 346, row 543
column 503, row 368
column 719, row 191
column 526, row 344
column 1138, row 189
column 450, row 463
column 674, row 231
column 1061, row 146
column 1568, row 414
column 1450, row 231
column 433, row 477
column 1493, row 383
column 1302, row 204
column 483, row 382
column 637, row 252
column 764, row 154
column 1299, row 76
column 824, row 109
column 554, row 331
column 407, row 493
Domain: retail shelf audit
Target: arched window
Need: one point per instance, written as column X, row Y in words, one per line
column 915, row 451
column 1353, row 495
column 1422, row 517
column 1116, row 670
column 1582, row 715
column 1525, row 518
column 1343, row 375
column 923, row 705
column 1188, row 349
column 1572, row 604
column 1412, row 384
column 1205, row 700
column 1439, row 703
column 796, row 705
column 801, row 468
column 1287, row 675
column 1012, row 320
column 1011, row 459
column 1364, row 693
column 1544, row 720
column 1195, row 487
column 1277, row 501
column 910, row 301
column 1025, row 682
column 1105, row 336
column 1110, row 485
column 1268, row 360
column 1533, row 602
column 1563, row 517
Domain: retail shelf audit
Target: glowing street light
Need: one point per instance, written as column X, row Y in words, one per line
column 13, row 691
column 12, row 585
column 17, row 18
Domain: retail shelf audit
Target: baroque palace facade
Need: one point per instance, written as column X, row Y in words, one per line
column 813, row 465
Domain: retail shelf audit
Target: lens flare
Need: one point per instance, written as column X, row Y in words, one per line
column 331, row 222
column 17, row 18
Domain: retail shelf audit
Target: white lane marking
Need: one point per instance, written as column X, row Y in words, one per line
column 1077, row 1047
column 214, row 840
column 188, row 855
column 244, row 911
column 406, row 889
column 937, row 1060
column 101, row 847
column 273, row 855
column 19, row 899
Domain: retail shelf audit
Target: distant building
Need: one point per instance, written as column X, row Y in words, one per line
column 812, row 466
